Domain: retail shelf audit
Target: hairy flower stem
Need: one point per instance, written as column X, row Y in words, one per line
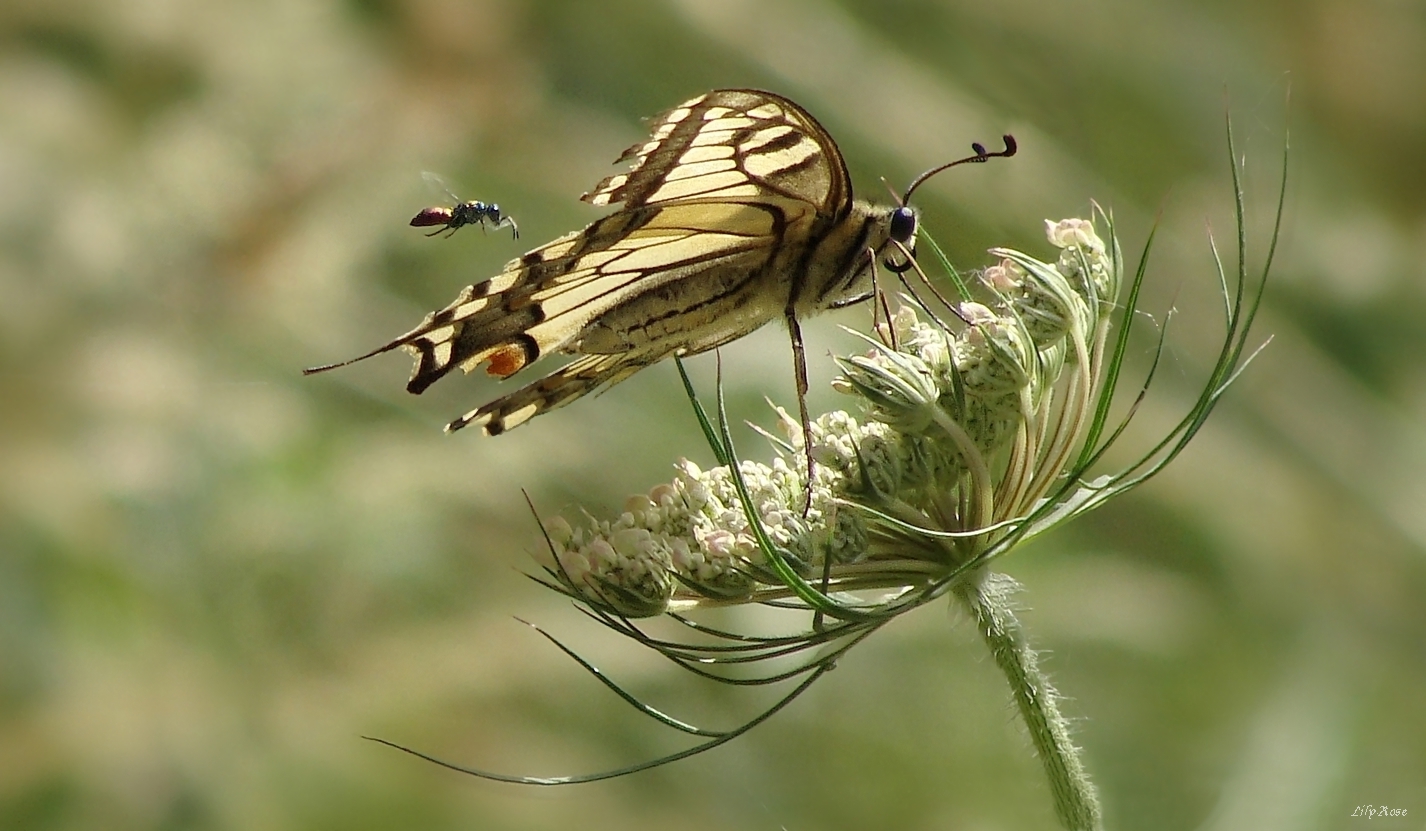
column 989, row 597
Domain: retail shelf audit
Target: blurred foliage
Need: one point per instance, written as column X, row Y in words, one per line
column 216, row 575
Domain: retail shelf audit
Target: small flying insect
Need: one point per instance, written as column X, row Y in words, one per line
column 461, row 214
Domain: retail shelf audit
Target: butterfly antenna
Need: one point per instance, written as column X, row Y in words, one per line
column 894, row 195
column 980, row 156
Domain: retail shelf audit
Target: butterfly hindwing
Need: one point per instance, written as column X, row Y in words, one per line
column 579, row 377
column 546, row 299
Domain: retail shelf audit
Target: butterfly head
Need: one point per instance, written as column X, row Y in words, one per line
column 901, row 228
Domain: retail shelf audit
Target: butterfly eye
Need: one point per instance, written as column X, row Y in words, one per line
column 903, row 230
column 903, row 224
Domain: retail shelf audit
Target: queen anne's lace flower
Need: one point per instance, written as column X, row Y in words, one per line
column 941, row 407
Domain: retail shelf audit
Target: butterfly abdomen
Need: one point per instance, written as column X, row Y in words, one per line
column 686, row 316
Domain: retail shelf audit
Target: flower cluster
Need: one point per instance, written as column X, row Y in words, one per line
column 965, row 427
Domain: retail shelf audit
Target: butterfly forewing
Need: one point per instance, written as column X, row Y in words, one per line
column 737, row 211
column 732, row 144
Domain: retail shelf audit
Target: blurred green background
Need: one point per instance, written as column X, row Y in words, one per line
column 216, row 575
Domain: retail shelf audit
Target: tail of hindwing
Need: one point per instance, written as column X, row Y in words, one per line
column 580, row 377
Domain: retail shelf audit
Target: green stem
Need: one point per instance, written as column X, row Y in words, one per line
column 989, row 597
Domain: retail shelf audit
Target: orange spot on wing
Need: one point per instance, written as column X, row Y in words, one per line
column 506, row 361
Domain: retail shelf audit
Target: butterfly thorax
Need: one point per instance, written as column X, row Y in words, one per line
column 839, row 268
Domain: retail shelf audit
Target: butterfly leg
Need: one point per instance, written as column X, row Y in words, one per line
column 881, row 322
column 799, row 361
column 799, row 356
